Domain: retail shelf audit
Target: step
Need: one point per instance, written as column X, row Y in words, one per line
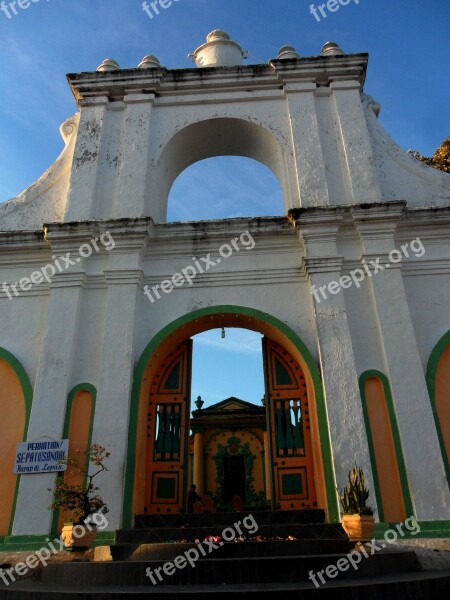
column 234, row 550
column 224, row 571
column 228, row 518
column 189, row 534
column 409, row 586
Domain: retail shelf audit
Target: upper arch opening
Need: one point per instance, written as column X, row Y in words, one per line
column 221, row 137
column 224, row 187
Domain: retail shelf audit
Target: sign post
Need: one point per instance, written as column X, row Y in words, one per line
column 41, row 457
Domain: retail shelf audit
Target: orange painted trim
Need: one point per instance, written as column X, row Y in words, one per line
column 432, row 370
column 87, row 388
column 27, row 391
column 399, row 459
column 203, row 320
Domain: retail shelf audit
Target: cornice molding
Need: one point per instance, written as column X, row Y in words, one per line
column 124, row 277
column 68, row 279
column 324, row 264
column 113, row 84
column 233, row 278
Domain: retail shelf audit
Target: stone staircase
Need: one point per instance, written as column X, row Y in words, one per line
column 277, row 558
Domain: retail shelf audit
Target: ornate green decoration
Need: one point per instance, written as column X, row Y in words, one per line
column 235, row 447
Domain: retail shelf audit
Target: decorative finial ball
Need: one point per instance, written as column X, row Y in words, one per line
column 332, row 49
column 109, row 64
column 149, row 62
column 288, row 53
column 217, row 34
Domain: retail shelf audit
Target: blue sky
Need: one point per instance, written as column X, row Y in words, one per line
column 408, row 43
column 227, row 367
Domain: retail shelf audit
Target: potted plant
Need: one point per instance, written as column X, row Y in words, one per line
column 358, row 520
column 80, row 499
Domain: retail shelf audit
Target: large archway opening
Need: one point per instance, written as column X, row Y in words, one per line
column 173, row 339
column 219, row 137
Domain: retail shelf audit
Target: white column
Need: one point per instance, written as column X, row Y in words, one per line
column 135, row 149
column 49, row 398
column 85, row 175
column 422, row 454
column 123, row 275
column 307, row 146
column 114, row 389
column 340, row 378
column 356, row 142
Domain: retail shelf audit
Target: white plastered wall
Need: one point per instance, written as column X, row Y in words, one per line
column 120, row 164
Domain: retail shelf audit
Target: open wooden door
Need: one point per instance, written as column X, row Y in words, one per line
column 168, row 433
column 289, row 430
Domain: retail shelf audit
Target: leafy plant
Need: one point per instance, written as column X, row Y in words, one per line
column 440, row 159
column 355, row 495
column 81, row 499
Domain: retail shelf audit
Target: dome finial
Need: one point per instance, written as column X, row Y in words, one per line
column 288, row 53
column 149, row 62
column 331, row 49
column 219, row 51
column 109, row 64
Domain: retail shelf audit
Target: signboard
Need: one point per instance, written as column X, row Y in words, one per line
column 40, row 457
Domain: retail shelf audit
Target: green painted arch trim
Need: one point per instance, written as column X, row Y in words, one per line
column 24, row 382
column 322, row 416
column 27, row 389
column 397, row 442
column 432, row 367
column 81, row 387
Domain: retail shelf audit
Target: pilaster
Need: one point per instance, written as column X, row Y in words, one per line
column 306, row 143
column 50, row 397
column 377, row 226
column 356, row 142
column 82, row 195
column 318, row 230
column 135, row 151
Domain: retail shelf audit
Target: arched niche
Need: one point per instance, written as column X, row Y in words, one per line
column 78, row 426
column 15, row 407
column 388, row 465
column 218, row 137
column 438, row 381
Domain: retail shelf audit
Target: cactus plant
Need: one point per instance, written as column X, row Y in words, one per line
column 355, row 495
